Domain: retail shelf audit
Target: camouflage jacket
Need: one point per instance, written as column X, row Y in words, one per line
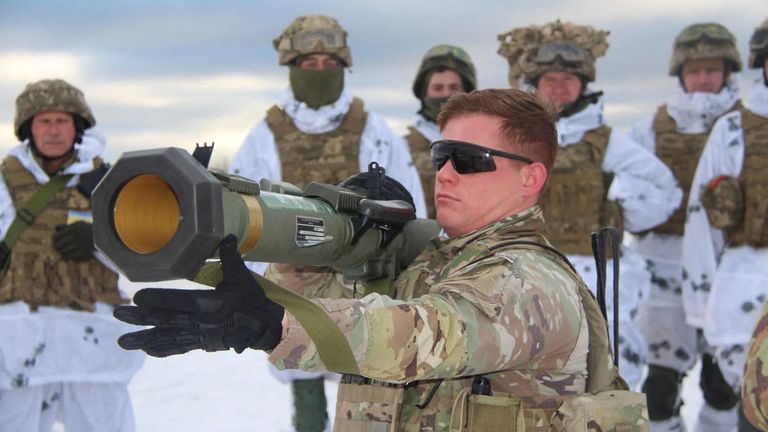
column 466, row 306
column 754, row 392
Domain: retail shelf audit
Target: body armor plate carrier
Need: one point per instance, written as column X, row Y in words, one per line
column 680, row 152
column 575, row 200
column 422, row 159
column 754, row 183
column 328, row 157
column 37, row 274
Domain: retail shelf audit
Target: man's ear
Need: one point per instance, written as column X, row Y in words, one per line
column 534, row 179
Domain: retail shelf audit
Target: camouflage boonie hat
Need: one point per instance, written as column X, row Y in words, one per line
column 701, row 41
column 758, row 45
column 311, row 34
column 445, row 56
column 557, row 46
column 50, row 95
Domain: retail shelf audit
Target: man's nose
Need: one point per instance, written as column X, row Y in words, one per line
column 446, row 173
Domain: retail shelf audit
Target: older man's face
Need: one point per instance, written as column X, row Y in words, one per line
column 467, row 202
column 54, row 133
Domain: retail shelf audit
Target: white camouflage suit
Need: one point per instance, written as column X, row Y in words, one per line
column 648, row 194
column 59, row 364
column 259, row 158
column 738, row 275
column 672, row 341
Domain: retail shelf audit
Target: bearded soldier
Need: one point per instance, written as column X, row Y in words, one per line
column 58, row 354
column 704, row 62
column 725, row 246
column 600, row 177
column 319, row 132
column 444, row 71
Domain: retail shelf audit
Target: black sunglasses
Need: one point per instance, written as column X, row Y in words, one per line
column 468, row 158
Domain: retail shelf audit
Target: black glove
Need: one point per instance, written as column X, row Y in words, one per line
column 237, row 314
column 74, row 241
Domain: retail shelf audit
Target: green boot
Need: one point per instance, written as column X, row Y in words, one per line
column 309, row 405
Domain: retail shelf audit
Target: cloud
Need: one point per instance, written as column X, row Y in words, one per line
column 177, row 90
column 18, row 68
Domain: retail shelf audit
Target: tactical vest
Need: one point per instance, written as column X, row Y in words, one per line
column 369, row 405
column 574, row 202
column 680, row 152
column 37, row 275
column 328, row 157
column 422, row 159
column 754, row 183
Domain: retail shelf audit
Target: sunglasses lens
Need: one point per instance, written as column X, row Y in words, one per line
column 468, row 161
column 438, row 162
column 465, row 160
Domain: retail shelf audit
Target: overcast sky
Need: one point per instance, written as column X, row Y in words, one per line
column 171, row 73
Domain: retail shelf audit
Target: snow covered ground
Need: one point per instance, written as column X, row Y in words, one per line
column 229, row 392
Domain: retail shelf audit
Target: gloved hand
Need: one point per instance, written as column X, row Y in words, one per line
column 237, row 314
column 74, row 241
column 723, row 200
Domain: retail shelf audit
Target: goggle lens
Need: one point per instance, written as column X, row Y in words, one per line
column 307, row 40
column 712, row 31
column 567, row 51
column 759, row 40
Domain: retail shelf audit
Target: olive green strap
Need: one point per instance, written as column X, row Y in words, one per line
column 331, row 344
column 379, row 286
column 27, row 215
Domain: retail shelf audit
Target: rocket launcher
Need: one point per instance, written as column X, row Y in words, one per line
column 160, row 214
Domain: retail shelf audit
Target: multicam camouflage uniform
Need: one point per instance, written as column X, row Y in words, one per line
column 466, row 306
column 754, row 393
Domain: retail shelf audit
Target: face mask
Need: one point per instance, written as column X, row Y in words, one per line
column 317, row 87
column 430, row 107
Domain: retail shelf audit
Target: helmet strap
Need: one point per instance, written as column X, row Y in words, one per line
column 579, row 104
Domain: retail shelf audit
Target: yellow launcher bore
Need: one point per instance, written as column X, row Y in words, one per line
column 146, row 214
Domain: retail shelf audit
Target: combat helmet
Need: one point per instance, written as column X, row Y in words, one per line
column 704, row 40
column 310, row 34
column 50, row 95
column 758, row 46
column 445, row 56
column 557, row 46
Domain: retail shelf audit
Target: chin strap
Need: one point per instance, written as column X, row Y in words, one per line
column 580, row 103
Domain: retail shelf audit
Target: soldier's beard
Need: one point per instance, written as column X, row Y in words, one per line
column 316, row 87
